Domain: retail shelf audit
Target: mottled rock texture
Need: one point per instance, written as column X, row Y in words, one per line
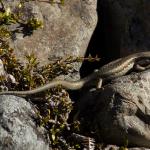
column 114, row 147
column 67, row 28
column 18, row 130
column 121, row 110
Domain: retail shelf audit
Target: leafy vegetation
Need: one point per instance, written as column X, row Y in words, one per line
column 7, row 18
column 53, row 114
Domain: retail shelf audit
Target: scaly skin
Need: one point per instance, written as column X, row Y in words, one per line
column 111, row 70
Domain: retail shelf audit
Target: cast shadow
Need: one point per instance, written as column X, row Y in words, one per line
column 102, row 43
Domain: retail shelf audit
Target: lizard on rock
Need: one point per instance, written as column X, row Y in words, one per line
column 109, row 71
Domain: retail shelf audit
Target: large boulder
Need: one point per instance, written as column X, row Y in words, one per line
column 121, row 110
column 18, row 129
column 114, row 147
column 67, row 28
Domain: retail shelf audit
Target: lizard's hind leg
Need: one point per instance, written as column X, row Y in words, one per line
column 138, row 67
column 98, row 81
column 99, row 84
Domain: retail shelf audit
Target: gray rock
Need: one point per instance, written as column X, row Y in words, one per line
column 139, row 148
column 121, row 110
column 8, row 79
column 66, row 32
column 114, row 147
column 18, row 130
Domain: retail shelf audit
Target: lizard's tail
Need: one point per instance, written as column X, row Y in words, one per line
column 71, row 85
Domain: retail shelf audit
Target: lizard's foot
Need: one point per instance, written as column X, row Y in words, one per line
column 92, row 89
column 96, row 70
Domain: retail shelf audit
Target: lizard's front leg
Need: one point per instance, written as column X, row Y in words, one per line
column 139, row 67
column 142, row 64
